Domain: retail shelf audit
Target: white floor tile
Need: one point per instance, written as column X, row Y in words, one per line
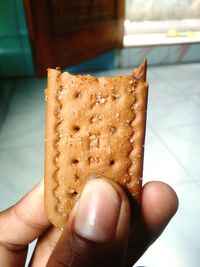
column 6, row 87
column 178, row 73
column 21, row 169
column 25, row 120
column 159, row 163
column 184, row 144
column 179, row 80
column 28, row 96
column 23, row 129
column 198, row 184
column 167, row 110
column 179, row 244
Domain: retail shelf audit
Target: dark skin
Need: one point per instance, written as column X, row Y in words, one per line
column 136, row 229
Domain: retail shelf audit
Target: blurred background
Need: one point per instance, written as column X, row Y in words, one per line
column 105, row 38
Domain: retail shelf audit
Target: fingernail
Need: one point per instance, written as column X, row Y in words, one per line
column 98, row 211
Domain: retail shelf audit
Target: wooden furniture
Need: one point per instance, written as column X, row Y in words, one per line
column 64, row 32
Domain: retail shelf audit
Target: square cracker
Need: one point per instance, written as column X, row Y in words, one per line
column 93, row 126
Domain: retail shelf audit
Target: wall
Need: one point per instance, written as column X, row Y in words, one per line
column 15, row 52
column 16, row 58
column 162, row 10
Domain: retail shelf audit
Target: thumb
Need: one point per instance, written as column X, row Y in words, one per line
column 96, row 233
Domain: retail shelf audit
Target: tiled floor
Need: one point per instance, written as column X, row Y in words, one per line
column 172, row 152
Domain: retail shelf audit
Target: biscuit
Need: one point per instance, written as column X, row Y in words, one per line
column 93, row 126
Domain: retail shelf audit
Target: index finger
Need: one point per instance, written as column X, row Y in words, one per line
column 26, row 220
column 21, row 224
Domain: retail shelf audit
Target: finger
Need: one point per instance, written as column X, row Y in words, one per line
column 21, row 224
column 98, row 223
column 159, row 203
column 49, row 239
column 45, row 246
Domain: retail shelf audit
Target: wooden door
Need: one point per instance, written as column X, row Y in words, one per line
column 66, row 32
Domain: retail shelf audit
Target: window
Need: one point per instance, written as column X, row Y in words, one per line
column 171, row 18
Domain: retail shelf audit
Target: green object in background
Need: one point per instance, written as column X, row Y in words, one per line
column 15, row 50
column 8, row 25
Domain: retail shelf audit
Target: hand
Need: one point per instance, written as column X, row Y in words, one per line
column 104, row 228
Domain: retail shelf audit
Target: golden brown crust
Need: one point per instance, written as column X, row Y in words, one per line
column 93, row 126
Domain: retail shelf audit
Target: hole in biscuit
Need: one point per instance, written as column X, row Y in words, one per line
column 74, row 161
column 76, row 95
column 111, row 162
column 92, row 105
column 76, row 177
column 76, row 128
column 115, row 96
column 113, row 129
column 90, row 160
column 72, row 192
column 92, row 119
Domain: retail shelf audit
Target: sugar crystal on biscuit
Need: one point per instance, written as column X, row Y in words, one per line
column 101, row 100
